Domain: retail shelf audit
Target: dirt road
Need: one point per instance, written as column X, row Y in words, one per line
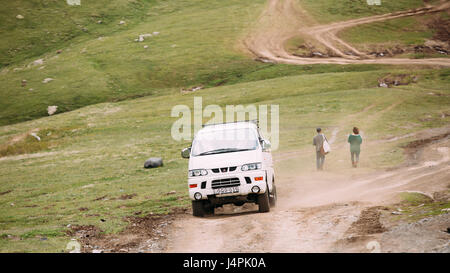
column 317, row 211
column 284, row 19
column 337, row 210
column 332, row 211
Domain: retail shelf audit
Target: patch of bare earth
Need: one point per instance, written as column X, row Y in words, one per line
column 438, row 44
column 142, row 235
column 396, row 80
column 362, row 231
column 5, row 192
column 368, row 222
column 426, row 235
column 415, row 149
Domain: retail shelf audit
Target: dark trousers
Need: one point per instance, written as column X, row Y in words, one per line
column 320, row 159
column 355, row 155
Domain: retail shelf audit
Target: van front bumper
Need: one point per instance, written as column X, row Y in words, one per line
column 204, row 184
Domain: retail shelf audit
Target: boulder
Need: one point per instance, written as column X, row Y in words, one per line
column 153, row 162
column 47, row 80
column 193, row 89
column 35, row 136
column 317, row 54
column 73, row 2
column 52, row 109
column 142, row 37
column 38, row 62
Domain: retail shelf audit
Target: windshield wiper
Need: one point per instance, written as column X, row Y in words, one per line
column 224, row 150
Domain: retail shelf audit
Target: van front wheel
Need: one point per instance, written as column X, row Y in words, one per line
column 263, row 202
column 198, row 208
column 273, row 197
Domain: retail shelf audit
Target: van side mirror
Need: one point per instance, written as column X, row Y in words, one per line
column 266, row 145
column 186, row 152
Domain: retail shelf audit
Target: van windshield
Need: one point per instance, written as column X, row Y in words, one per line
column 224, row 141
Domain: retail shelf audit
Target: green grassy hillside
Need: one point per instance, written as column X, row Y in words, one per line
column 196, row 45
column 327, row 11
column 115, row 97
column 50, row 25
column 97, row 152
column 402, row 36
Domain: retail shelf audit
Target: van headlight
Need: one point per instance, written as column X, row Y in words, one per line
column 251, row 166
column 198, row 172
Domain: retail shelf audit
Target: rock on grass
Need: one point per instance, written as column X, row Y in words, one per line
column 47, row 80
column 52, row 109
column 153, row 162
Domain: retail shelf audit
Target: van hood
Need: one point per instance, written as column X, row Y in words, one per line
column 225, row 160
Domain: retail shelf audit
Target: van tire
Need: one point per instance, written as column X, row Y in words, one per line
column 263, row 202
column 273, row 198
column 208, row 208
column 198, row 208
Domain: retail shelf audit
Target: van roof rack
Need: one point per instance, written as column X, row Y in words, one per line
column 255, row 121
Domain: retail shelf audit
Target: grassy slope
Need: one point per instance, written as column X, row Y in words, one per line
column 401, row 33
column 327, row 11
column 196, row 46
column 411, row 32
column 416, row 206
column 49, row 25
column 99, row 150
column 391, row 34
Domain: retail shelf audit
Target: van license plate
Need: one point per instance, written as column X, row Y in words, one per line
column 226, row 190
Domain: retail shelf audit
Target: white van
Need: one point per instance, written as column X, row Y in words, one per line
column 230, row 163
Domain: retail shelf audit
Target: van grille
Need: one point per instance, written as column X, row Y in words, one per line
column 224, row 169
column 227, row 182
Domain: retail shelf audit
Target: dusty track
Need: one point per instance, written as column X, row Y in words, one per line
column 331, row 211
column 315, row 211
column 284, row 19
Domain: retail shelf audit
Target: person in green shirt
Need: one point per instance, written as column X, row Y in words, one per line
column 355, row 141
